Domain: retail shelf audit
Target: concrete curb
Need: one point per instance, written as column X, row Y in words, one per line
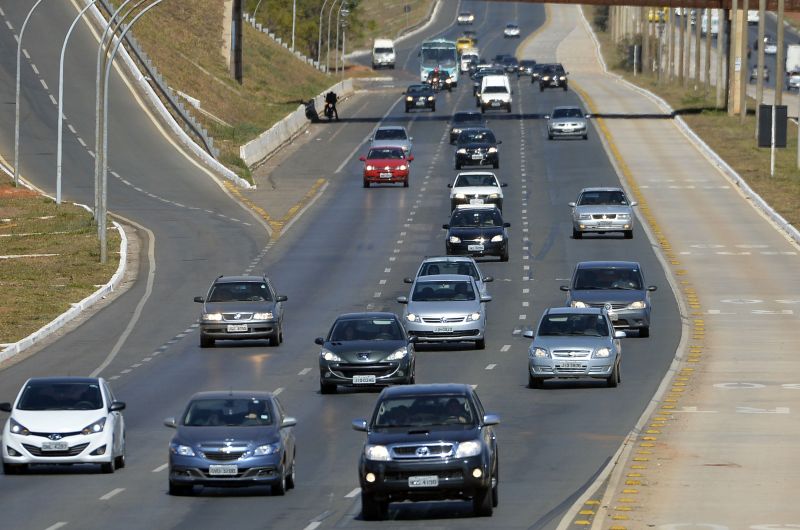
column 54, row 325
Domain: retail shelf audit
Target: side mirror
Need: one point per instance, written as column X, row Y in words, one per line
column 319, row 340
column 652, row 288
column 408, row 280
column 491, row 419
column 634, row 203
column 449, row 185
column 288, row 421
column 528, row 334
column 499, row 142
column 362, row 158
column 171, row 423
column 281, row 298
column 486, row 298
column 504, row 185
column 360, row 425
column 199, row 299
column 547, row 116
column 5, row 407
column 488, row 279
column 410, row 158
column 506, row 225
column 369, row 138
column 564, row 288
column 446, row 227
column 402, row 299
column 620, row 334
column 588, row 116
column 116, row 406
column 410, row 138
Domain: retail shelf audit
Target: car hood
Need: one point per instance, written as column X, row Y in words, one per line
column 238, row 307
column 219, row 435
column 435, row 433
column 476, row 145
column 468, row 232
column 57, row 420
column 602, row 208
column 448, row 308
column 608, row 295
column 384, row 162
column 578, row 342
column 477, row 190
column 352, row 351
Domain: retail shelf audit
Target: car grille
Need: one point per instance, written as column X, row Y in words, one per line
column 75, row 450
column 58, row 434
column 223, row 457
column 443, row 320
column 376, row 369
column 422, row 451
column 614, row 305
column 604, row 216
column 476, row 151
column 223, row 453
column 571, row 354
column 451, row 334
column 242, row 316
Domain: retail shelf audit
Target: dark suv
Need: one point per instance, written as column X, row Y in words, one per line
column 428, row 442
column 553, row 76
column 477, row 146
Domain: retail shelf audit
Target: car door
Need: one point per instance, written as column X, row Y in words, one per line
column 278, row 305
column 286, row 433
column 117, row 421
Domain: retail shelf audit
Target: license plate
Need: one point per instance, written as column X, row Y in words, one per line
column 604, row 223
column 476, row 201
column 443, row 329
column 363, row 379
column 495, row 103
column 386, row 175
column 566, row 129
column 475, row 248
column 226, row 469
column 420, row 103
column 55, row 446
column 477, row 157
column 236, row 327
column 426, row 481
column 570, row 365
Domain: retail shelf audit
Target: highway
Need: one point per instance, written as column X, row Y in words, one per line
column 348, row 252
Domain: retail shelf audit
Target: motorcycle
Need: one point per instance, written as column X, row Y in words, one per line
column 329, row 112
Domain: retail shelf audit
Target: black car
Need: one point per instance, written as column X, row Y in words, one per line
column 553, row 76
column 510, row 63
column 428, row 442
column 365, row 349
column 477, row 146
column 526, row 67
column 465, row 119
column 536, row 72
column 420, row 97
column 477, row 230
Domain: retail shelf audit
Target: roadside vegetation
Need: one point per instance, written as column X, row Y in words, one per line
column 733, row 141
column 60, row 263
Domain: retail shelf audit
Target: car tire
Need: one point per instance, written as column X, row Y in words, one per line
column 549, row 136
column 14, row 469
column 206, row 342
column 628, row 234
column 496, row 164
column 577, row 234
column 482, row 503
column 541, row 88
column 565, row 88
column 613, row 380
column 644, row 332
column 480, row 344
column 372, row 509
column 585, row 136
column 508, row 109
column 458, row 166
column 290, row 478
column 496, row 483
column 504, row 257
column 279, row 489
column 326, row 388
column 107, row 467
column 119, row 461
column 406, row 110
column 405, row 183
column 366, row 184
column 180, row 489
column 535, row 382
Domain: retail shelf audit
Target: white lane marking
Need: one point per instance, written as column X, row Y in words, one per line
column 382, row 282
column 112, row 493
column 33, row 67
column 80, row 141
column 277, row 391
column 125, row 371
column 53, row 99
column 695, row 409
column 372, row 133
column 71, row 128
column 56, row 526
column 147, row 359
column 160, row 468
column 113, row 377
column 525, row 304
column 376, row 294
column 490, row 366
column 526, row 291
column 304, row 371
column 505, row 347
column 516, row 331
column 523, row 317
column 387, row 270
column 44, row 84
column 353, row 493
column 312, row 526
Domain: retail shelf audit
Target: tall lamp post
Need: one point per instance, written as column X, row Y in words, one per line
column 294, row 20
column 328, row 54
column 319, row 40
column 16, row 102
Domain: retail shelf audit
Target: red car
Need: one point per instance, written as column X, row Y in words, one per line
column 386, row 164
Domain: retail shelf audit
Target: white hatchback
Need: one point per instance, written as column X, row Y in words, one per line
column 476, row 187
column 64, row 420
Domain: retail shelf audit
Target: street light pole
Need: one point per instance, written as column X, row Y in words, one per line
column 294, row 20
column 16, row 105
column 319, row 40
column 328, row 54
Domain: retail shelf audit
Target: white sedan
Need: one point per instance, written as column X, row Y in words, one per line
column 476, row 187
column 465, row 18
column 511, row 31
column 64, row 420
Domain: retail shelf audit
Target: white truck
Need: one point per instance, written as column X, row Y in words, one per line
column 383, row 54
column 793, row 66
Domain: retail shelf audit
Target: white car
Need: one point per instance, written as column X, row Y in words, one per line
column 476, row 187
column 391, row 136
column 602, row 210
column 453, row 265
column 465, row 18
column 770, row 47
column 511, row 31
column 64, row 420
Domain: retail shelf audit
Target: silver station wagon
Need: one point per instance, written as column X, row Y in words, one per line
column 602, row 210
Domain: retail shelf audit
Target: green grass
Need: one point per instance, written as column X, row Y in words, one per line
column 38, row 289
column 386, row 18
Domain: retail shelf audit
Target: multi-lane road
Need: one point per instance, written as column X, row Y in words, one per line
column 349, row 251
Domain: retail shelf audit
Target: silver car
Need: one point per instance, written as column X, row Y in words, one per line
column 567, row 122
column 446, row 308
column 602, row 210
column 391, row 136
column 453, row 265
column 617, row 286
column 572, row 343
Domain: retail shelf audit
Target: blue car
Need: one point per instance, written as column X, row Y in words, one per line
column 232, row 438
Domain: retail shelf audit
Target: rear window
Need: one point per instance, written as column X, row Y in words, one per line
column 390, row 134
column 449, row 267
column 495, row 89
column 384, row 50
column 443, row 291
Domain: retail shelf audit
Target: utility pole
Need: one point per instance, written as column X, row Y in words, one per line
column 697, row 45
column 721, row 65
column 779, row 59
column 743, row 73
column 236, row 41
column 731, row 48
column 762, row 7
column 707, row 66
column 682, row 47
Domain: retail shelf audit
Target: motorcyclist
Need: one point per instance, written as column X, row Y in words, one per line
column 330, row 103
column 435, row 79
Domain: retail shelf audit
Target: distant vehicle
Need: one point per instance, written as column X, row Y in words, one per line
column 241, row 308
column 511, row 64
column 383, row 54
column 477, row 230
column 704, row 25
column 536, row 72
column 792, row 59
column 511, row 31
column 386, row 165
column 428, row 442
column 752, row 16
column 553, row 76
column 480, row 73
column 391, row 135
column 495, row 93
column 464, row 43
column 64, row 420
column 439, row 53
column 466, row 265
column 465, row 18
column 526, row 67
column 465, row 119
column 476, row 187
column 420, row 97
column 469, row 60
column 567, row 121
column 770, row 46
column 232, row 439
column 793, row 81
column 602, row 210
column 754, row 73
column 477, row 147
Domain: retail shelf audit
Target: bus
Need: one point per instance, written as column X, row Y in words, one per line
column 440, row 53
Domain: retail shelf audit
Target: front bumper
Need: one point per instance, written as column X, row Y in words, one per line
column 489, row 249
column 495, row 104
column 449, row 332
column 82, row 449
column 380, row 176
column 595, row 225
column 256, row 329
column 563, row 132
column 416, row 104
column 483, row 159
column 191, row 470
column 385, row 372
column 468, row 200
column 544, row 368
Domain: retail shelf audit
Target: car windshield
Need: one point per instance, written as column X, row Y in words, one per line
column 495, row 89
column 476, row 136
column 608, row 278
column 572, row 112
column 603, row 198
column 345, row 330
column 593, row 325
column 61, row 396
column 384, row 153
column 228, row 412
column 240, row 292
column 390, row 134
column 417, row 90
column 384, row 50
column 527, row 62
column 511, row 26
column 476, row 218
column 479, row 179
column 421, row 411
column 443, row 291
column 449, row 267
column 461, row 117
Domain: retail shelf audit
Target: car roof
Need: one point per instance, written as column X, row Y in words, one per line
column 440, row 259
column 563, row 310
column 235, row 394
column 608, row 265
column 475, row 173
column 236, row 279
column 63, row 379
column 566, row 107
column 602, row 188
column 366, row 314
column 429, row 389
column 445, row 278
column 384, row 146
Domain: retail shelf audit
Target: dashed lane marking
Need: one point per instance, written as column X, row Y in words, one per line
column 490, row 366
column 505, row 347
column 112, row 493
column 60, row 524
column 312, row 526
column 160, row 468
column 35, row 70
column 277, row 391
column 304, row 371
column 353, row 493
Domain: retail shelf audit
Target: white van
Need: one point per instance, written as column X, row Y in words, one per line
column 383, row 54
column 495, row 93
column 468, row 57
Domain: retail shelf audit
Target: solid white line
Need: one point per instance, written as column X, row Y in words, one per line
column 56, row 526
column 490, row 366
column 304, row 371
column 505, row 347
column 353, row 493
column 312, row 526
column 277, row 391
column 112, row 493
column 160, row 468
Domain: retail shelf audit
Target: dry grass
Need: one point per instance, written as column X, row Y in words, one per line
column 733, row 141
column 38, row 289
column 386, row 18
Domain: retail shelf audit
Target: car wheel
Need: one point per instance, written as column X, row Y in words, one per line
column 496, row 484
column 541, row 88
column 206, row 342
column 405, row 183
column 508, row 109
column 406, row 109
column 613, row 380
column 280, row 336
column 279, row 489
column 119, row 462
column 107, row 467
column 458, row 166
column 480, row 344
column 482, row 503
column 372, row 509
column 577, row 234
column 179, row 489
column 585, row 136
column 644, row 332
column 366, row 184
column 549, row 136
column 496, row 164
column 14, row 469
column 628, row 234
column 535, row 382
column 326, row 388
column 504, row 257
column 290, row 477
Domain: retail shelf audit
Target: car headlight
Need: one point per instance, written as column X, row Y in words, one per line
column 624, row 216
column 492, row 150
column 562, row 78
column 462, row 151
column 456, row 131
column 576, row 303
column 470, row 448
column 497, row 239
column 546, row 78
column 182, row 450
column 411, row 317
column 95, row 427
column 602, row 352
column 267, row 449
column 430, row 98
column 474, row 316
column 448, row 80
column 494, row 196
column 639, row 304
column 455, row 239
column 398, row 354
column 263, row 316
column 409, row 98
column 370, row 168
column 460, row 196
column 212, row 317
column 585, row 217
column 328, row 355
column 402, row 167
column 377, row 452
column 18, row 428
column 538, row 352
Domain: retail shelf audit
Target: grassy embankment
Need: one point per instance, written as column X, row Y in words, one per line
column 733, row 141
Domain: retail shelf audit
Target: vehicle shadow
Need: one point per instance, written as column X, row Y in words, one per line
column 414, row 511
column 445, row 347
column 62, row 469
